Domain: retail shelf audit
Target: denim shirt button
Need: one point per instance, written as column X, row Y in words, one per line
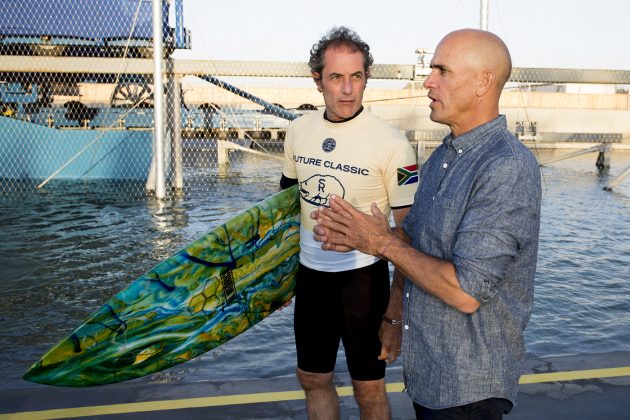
column 460, row 151
column 445, row 165
column 406, row 326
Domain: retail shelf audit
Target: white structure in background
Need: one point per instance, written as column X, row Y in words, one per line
column 577, row 88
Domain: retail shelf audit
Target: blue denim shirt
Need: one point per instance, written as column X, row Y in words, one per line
column 478, row 205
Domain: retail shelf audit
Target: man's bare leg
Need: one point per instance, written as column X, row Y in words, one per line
column 372, row 399
column 322, row 401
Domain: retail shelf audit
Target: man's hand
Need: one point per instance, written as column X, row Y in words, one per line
column 391, row 341
column 342, row 227
column 286, row 303
column 320, row 232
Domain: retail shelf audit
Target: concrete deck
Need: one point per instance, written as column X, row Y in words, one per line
column 569, row 387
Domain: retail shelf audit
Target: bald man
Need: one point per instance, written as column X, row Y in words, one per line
column 468, row 246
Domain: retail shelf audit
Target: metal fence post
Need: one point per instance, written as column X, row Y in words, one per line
column 158, row 101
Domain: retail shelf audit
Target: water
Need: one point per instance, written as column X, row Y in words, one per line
column 582, row 301
column 67, row 250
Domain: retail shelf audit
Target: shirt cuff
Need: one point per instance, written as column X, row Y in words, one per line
column 480, row 285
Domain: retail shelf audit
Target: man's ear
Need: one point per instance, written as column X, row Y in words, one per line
column 317, row 78
column 486, row 81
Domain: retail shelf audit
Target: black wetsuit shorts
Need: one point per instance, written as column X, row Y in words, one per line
column 346, row 305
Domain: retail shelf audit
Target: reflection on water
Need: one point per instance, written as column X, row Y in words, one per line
column 68, row 249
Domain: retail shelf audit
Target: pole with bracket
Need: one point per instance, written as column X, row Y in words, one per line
column 570, row 155
column 158, row 104
column 603, row 158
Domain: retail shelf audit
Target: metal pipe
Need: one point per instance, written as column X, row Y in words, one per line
column 570, row 155
column 272, row 109
column 178, row 170
column 228, row 145
column 483, row 19
column 158, row 101
column 612, row 184
column 179, row 24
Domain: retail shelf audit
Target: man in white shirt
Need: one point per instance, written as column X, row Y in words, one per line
column 346, row 151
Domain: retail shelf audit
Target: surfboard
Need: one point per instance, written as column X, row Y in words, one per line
column 206, row 294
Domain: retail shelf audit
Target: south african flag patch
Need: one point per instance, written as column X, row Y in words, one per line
column 407, row 175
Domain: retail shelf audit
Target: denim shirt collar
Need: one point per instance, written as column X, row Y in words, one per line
column 475, row 136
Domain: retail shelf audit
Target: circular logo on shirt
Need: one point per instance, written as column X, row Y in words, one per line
column 329, row 144
column 317, row 189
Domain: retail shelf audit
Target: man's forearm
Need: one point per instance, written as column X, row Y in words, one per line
column 394, row 308
column 433, row 275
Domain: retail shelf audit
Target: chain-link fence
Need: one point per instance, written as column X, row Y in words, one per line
column 77, row 95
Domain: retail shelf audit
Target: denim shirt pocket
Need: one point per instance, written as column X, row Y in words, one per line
column 440, row 227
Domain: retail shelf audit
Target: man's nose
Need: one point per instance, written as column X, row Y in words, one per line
column 428, row 82
column 346, row 88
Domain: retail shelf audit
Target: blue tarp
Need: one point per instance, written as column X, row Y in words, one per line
column 85, row 19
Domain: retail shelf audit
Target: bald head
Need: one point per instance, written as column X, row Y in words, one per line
column 468, row 72
column 481, row 50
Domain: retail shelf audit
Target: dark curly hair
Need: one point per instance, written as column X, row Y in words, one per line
column 338, row 37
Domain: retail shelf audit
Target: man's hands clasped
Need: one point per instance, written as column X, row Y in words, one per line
column 343, row 228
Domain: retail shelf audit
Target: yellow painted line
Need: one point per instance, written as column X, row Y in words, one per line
column 264, row 397
column 65, row 413
column 395, row 387
column 575, row 375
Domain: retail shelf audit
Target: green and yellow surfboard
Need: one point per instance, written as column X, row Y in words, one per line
column 204, row 295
